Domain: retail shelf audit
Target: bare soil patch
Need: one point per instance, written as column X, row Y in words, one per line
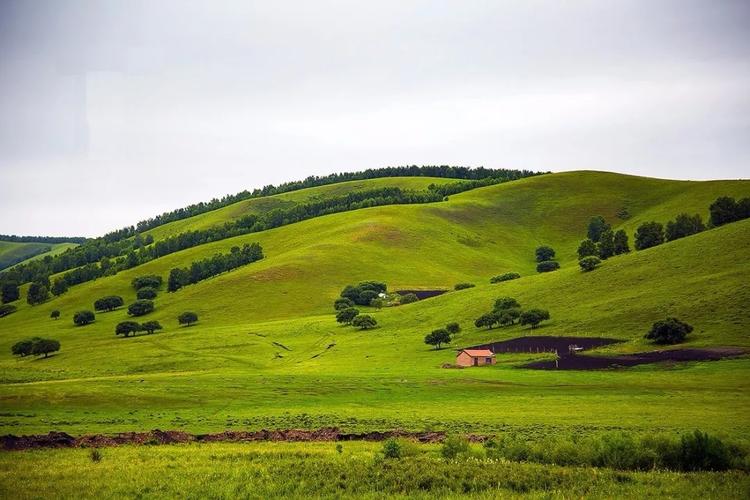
column 541, row 343
column 585, row 362
column 422, row 294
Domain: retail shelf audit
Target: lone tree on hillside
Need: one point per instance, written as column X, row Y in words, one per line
column 54, row 314
column 669, row 331
column 649, row 234
column 151, row 326
column 9, row 292
column 534, row 316
column 22, row 348
column 187, row 318
column 597, row 225
column 453, row 328
column 109, row 303
column 146, row 293
column 44, row 346
column 547, row 266
column 438, row 337
column 82, row 318
column 140, row 307
column 364, row 322
column 589, row 263
column 587, row 248
column 621, row 242
column 346, row 316
column 37, row 293
column 343, row 303
column 127, row 328
column 544, row 253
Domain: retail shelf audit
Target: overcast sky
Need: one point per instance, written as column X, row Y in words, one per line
column 114, row 111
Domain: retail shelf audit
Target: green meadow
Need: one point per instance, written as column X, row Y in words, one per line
column 268, row 353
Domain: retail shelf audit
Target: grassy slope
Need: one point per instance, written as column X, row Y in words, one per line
column 11, row 251
column 231, row 369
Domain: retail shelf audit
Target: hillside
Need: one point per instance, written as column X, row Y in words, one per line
column 267, row 351
column 12, row 253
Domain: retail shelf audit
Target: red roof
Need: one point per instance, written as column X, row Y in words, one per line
column 478, row 353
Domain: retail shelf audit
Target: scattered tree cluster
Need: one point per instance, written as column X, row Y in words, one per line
column 364, row 293
column 601, row 244
column 219, row 263
column 35, row 347
column 725, row 210
column 504, row 277
column 109, row 303
column 507, row 311
column 127, row 328
column 649, row 234
column 669, row 331
column 141, row 307
column 545, row 260
column 684, row 225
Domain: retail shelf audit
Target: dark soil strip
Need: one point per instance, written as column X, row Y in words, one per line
column 63, row 440
column 574, row 362
column 422, row 294
column 541, row 343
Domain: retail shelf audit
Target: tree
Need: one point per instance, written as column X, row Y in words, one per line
column 364, row 292
column 146, row 292
column 364, row 322
column 366, row 297
column 506, row 303
column 534, row 316
column 587, row 248
column 547, row 266
column 408, row 298
column 669, row 331
column 140, row 307
column 621, row 242
column 508, row 316
column 59, row 287
column 463, row 286
column 606, row 245
column 151, row 326
column 346, row 316
column 504, row 277
column 343, row 303
column 127, row 328
column 82, row 318
column 544, row 253
column 589, row 263
column 649, row 234
column 597, row 226
column 9, row 292
column 22, row 348
column 453, row 328
column 7, row 309
column 45, row 346
column 54, row 314
column 488, row 320
column 177, row 279
column 37, row 293
column 187, row 318
column 684, row 225
column 723, row 211
column 438, row 337
column 109, row 303
column 377, row 303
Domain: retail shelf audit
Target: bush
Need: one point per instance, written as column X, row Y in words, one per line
column 346, row 316
column 669, row 331
column 544, row 253
column 109, row 303
column 699, row 451
column 504, row 277
column 453, row 328
column 343, row 303
column 7, row 309
column 150, row 280
column 547, row 266
column 589, row 263
column 146, row 293
column 453, row 446
column 391, row 448
column 140, row 307
column 95, row 455
column 463, row 286
column 587, row 248
column 534, row 316
column 54, row 314
column 364, row 322
column 82, row 318
column 408, row 298
column 187, row 318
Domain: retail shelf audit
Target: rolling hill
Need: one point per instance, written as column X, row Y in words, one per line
column 12, row 253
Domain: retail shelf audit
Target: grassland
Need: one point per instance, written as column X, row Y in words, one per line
column 12, row 253
column 267, row 352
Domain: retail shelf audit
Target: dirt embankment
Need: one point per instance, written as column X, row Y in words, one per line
column 155, row 437
column 542, row 343
column 585, row 362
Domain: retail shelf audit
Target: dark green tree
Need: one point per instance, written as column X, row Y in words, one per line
column 649, row 234
column 597, row 225
column 59, row 287
column 547, row 266
column 9, row 292
column 488, row 320
column 723, row 211
column 187, row 318
column 54, row 314
column 366, row 297
column 453, row 328
column 178, row 277
column 7, row 309
column 606, row 245
column 109, row 303
column 587, row 248
column 127, row 328
column 37, row 293
column 343, row 303
column 364, row 322
column 45, row 346
column 346, row 316
column 508, row 316
column 669, row 331
column 140, row 307
column 151, row 326
column 534, row 316
column 82, row 318
column 437, row 338
column 621, row 242
column 684, row 225
column 589, row 263
column 408, row 298
column 22, row 348
column 544, row 253
column 146, row 292
column 506, row 303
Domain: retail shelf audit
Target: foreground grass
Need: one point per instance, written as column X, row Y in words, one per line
column 270, row 470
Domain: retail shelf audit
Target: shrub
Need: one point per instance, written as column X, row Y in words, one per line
column 150, row 280
column 547, row 266
column 343, row 303
column 95, row 455
column 534, row 316
column 463, row 286
column 109, row 303
column 669, row 331
column 699, row 451
column 187, row 318
column 408, row 298
column 364, row 322
column 377, row 303
column 504, row 277
column 7, row 309
column 127, row 328
column 346, row 316
column 589, row 263
column 82, row 318
column 391, row 448
column 437, row 338
column 453, row 328
column 453, row 446
column 146, row 293
column 140, row 307
column 151, row 326
column 54, row 314
column 649, row 234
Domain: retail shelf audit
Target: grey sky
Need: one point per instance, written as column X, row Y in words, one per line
column 111, row 112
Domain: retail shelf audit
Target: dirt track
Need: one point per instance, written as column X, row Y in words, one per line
column 63, row 440
column 575, row 362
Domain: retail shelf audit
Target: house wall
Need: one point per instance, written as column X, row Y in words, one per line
column 464, row 359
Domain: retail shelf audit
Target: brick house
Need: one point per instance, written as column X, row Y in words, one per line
column 475, row 357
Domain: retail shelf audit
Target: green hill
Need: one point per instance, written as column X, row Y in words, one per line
column 12, row 253
column 267, row 351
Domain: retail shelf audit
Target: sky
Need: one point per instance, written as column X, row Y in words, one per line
column 112, row 111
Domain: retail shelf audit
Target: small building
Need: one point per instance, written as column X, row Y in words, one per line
column 475, row 357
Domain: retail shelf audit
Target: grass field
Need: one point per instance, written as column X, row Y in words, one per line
column 267, row 352
column 12, row 253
